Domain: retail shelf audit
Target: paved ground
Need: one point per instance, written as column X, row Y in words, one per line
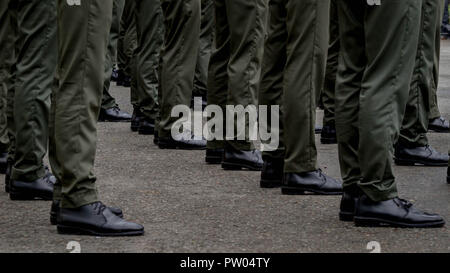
column 188, row 206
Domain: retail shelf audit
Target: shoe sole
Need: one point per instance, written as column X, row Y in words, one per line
column 213, row 160
column 438, row 130
column 66, row 230
column 164, row 146
column 303, row 191
column 238, row 167
column 346, row 216
column 375, row 222
column 24, row 196
column 270, row 184
column 409, row 162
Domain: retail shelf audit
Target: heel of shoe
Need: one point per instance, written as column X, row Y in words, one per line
column 287, row 191
column 401, row 162
column 15, row 196
column 346, row 216
column 231, row 167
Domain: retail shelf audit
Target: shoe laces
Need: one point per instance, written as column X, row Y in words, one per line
column 99, row 207
column 403, row 203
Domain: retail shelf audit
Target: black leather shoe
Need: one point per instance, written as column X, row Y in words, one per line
column 8, row 171
column 146, row 127
column 184, row 144
column 214, row 156
column 156, row 138
column 55, row 209
column 395, row 212
column 348, row 206
column 328, row 135
column 41, row 188
column 272, row 173
column 95, row 219
column 439, row 125
column 135, row 119
column 238, row 159
column 424, row 155
column 114, row 75
column 122, row 79
column 3, row 162
column 316, row 182
column 114, row 115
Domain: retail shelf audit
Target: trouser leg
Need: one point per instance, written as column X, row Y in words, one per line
column 83, row 38
column 150, row 32
column 372, row 90
column 274, row 61
column 108, row 101
column 36, row 64
column 206, row 37
column 7, row 45
column 179, row 55
column 415, row 123
column 328, row 93
column 303, row 79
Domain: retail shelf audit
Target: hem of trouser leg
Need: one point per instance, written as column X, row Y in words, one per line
column 151, row 116
column 79, row 199
column 306, row 168
column 434, row 115
column 27, row 177
column 377, row 195
column 419, row 142
column 109, row 106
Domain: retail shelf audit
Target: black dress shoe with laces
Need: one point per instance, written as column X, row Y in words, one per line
column 314, row 182
column 214, row 156
column 187, row 142
column 394, row 212
column 41, row 188
column 97, row 220
column 424, row 155
column 318, row 130
column 439, row 125
column 146, row 127
column 328, row 134
column 55, row 210
column 272, row 173
column 234, row 159
column 114, row 114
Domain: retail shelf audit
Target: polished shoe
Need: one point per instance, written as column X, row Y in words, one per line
column 95, row 219
column 55, row 209
column 114, row 75
column 114, row 115
column 135, row 119
column 424, row 155
column 394, row 212
column 214, row 156
column 187, row 142
column 315, row 182
column 439, row 125
column 146, row 127
column 3, row 162
column 41, row 188
column 8, row 171
column 328, row 134
column 348, row 206
column 272, row 173
column 239, row 159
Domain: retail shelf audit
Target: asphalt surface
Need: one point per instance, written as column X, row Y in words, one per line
column 188, row 206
